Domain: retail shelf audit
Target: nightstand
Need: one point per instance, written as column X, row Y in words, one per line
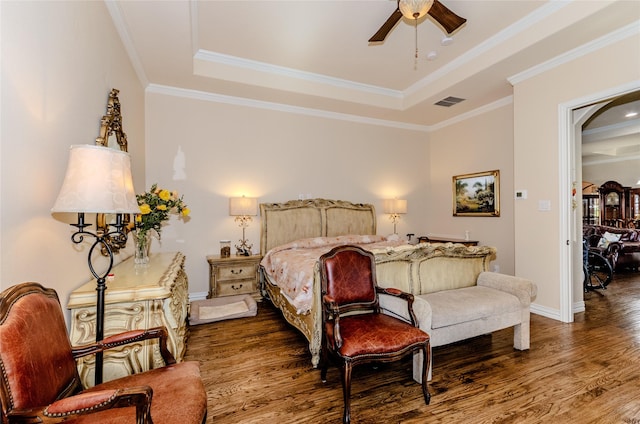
column 233, row 275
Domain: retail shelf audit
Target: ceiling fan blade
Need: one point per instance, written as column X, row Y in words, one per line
column 386, row 27
column 445, row 17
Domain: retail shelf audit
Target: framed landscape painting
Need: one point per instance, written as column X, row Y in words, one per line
column 477, row 194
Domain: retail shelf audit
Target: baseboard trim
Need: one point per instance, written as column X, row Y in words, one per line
column 544, row 311
column 197, row 296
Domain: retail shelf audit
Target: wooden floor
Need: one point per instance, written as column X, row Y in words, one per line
column 257, row 370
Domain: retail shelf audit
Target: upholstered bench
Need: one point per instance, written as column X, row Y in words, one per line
column 455, row 297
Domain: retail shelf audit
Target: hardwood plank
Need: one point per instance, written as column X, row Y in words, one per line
column 258, row 370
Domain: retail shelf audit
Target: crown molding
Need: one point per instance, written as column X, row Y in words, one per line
column 473, row 113
column 259, row 104
column 394, row 95
column 121, row 28
column 600, row 161
column 618, row 129
column 592, row 46
column 268, row 68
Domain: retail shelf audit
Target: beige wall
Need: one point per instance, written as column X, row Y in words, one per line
column 59, row 62
column 240, row 150
column 477, row 144
column 539, row 245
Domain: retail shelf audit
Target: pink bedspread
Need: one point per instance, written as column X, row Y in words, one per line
column 291, row 265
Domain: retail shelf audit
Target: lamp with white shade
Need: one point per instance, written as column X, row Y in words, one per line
column 243, row 208
column 98, row 180
column 395, row 208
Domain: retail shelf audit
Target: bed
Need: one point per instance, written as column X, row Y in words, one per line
column 284, row 223
column 294, row 234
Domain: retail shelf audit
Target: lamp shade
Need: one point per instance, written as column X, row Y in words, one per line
column 415, row 9
column 98, row 179
column 243, row 206
column 394, row 206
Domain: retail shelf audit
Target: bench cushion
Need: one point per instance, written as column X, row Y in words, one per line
column 451, row 307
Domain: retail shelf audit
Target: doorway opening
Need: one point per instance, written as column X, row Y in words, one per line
column 572, row 117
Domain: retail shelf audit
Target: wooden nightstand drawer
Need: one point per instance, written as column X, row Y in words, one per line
column 229, row 288
column 236, row 272
column 233, row 275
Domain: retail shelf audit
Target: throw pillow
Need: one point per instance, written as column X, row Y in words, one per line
column 611, row 236
column 607, row 238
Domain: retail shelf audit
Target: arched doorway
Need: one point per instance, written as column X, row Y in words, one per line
column 572, row 116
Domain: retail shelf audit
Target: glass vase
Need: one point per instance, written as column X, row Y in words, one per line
column 142, row 243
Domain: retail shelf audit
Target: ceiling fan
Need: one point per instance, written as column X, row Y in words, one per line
column 415, row 9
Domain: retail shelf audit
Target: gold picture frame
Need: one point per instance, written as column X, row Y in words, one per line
column 477, row 194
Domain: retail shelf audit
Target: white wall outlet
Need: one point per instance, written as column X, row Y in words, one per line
column 521, row 194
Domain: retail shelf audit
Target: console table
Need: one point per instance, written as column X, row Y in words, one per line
column 139, row 297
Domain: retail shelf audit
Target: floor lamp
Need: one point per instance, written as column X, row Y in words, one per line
column 98, row 180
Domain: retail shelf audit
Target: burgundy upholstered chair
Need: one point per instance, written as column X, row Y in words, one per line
column 39, row 381
column 355, row 331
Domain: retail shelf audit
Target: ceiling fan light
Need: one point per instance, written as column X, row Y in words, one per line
column 415, row 9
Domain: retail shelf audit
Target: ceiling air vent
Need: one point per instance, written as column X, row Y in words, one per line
column 449, row 101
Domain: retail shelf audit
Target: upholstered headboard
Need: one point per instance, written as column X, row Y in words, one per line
column 298, row 219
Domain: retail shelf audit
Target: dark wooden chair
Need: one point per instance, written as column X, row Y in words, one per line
column 355, row 331
column 39, row 380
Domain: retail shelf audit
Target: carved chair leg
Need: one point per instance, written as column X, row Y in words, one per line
column 345, row 370
column 426, row 355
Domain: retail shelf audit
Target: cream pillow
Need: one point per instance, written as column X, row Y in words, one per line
column 607, row 238
column 611, row 236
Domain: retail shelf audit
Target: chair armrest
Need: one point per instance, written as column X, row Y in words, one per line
column 406, row 297
column 397, row 307
column 127, row 337
column 331, row 320
column 392, row 291
column 88, row 403
column 523, row 289
column 330, row 304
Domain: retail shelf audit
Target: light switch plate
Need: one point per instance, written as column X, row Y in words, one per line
column 521, row 194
